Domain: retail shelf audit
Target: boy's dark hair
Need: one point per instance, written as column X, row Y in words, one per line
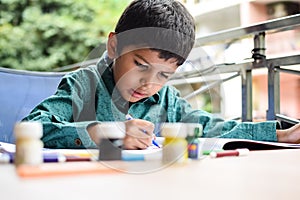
column 161, row 25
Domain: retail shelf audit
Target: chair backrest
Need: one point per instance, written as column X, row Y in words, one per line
column 20, row 92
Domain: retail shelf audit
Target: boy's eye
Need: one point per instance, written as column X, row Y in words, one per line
column 164, row 75
column 140, row 65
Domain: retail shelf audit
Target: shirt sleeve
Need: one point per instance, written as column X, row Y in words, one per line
column 64, row 115
column 214, row 126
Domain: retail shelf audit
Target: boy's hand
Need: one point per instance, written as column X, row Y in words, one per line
column 291, row 135
column 139, row 134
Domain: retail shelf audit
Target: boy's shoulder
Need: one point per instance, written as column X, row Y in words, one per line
column 169, row 91
column 83, row 71
column 96, row 69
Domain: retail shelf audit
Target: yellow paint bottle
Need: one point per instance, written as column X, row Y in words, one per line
column 175, row 144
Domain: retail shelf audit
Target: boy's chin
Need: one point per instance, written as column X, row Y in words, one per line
column 132, row 99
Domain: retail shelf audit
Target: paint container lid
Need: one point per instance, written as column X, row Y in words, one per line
column 174, row 130
column 28, row 130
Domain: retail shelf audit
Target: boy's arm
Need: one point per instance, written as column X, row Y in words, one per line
column 214, row 126
column 291, row 135
column 62, row 134
column 60, row 115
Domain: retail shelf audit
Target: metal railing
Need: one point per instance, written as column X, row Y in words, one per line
column 259, row 60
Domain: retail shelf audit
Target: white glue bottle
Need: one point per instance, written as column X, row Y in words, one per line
column 28, row 144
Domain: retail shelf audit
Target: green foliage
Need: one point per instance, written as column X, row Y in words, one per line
column 43, row 35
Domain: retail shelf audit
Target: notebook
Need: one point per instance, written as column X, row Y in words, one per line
column 252, row 145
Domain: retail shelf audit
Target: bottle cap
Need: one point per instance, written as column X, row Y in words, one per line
column 111, row 130
column 174, row 130
column 194, row 129
column 28, row 130
column 243, row 151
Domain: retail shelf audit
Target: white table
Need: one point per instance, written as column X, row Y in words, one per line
column 260, row 175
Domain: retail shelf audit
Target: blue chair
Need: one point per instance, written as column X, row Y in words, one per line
column 20, row 92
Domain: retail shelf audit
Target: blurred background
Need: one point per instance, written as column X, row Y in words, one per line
column 214, row 16
column 45, row 35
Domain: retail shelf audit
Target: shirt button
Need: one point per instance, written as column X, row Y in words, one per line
column 78, row 142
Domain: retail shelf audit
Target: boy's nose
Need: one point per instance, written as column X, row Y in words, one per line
column 145, row 83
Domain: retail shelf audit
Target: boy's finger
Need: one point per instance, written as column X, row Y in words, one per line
column 135, row 143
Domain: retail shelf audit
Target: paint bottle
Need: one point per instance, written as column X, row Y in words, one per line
column 28, row 144
column 175, row 144
column 111, row 135
column 194, row 131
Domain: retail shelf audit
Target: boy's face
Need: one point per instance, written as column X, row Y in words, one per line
column 141, row 73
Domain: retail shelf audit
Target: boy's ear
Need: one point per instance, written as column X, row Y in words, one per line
column 111, row 45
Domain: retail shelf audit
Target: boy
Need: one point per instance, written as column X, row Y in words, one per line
column 151, row 39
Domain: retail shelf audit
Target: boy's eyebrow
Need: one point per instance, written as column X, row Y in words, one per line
column 142, row 58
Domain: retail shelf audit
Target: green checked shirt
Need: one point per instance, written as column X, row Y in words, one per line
column 88, row 96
